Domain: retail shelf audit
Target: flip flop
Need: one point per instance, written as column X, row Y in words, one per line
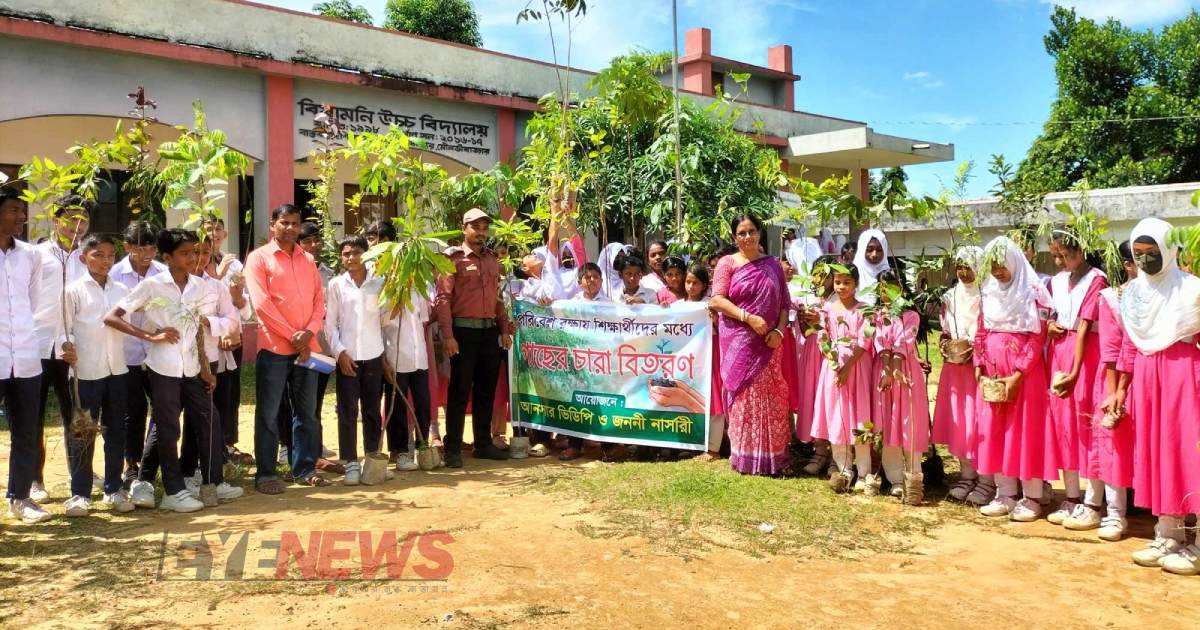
column 313, row 481
column 270, row 486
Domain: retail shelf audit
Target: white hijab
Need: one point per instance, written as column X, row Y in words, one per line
column 802, row 253
column 962, row 301
column 1013, row 306
column 1162, row 309
column 825, row 239
column 612, row 285
column 868, row 274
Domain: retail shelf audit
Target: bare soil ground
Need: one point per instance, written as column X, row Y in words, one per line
column 529, row 549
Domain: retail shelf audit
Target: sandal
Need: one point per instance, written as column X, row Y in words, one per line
column 313, row 481
column 982, row 494
column 499, row 442
column 270, row 486
column 961, row 489
column 330, row 466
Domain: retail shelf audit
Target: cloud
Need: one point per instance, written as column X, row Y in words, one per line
column 925, row 79
column 1128, row 12
column 949, row 121
column 935, row 84
column 913, row 76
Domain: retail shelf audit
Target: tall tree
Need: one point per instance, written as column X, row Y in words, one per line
column 449, row 20
column 1108, row 75
column 343, row 10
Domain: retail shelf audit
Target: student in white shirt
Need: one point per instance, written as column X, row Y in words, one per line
column 175, row 304
column 137, row 265
column 97, row 355
column 227, row 397
column 631, row 267
column 354, row 326
column 406, row 367
column 61, row 265
column 20, row 358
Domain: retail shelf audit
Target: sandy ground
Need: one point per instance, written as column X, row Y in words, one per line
column 524, row 558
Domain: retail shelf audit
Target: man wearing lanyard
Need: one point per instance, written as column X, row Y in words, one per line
column 475, row 325
column 285, row 290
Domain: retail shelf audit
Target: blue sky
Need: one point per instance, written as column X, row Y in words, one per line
column 955, row 71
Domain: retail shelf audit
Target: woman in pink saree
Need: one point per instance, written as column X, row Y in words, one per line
column 750, row 294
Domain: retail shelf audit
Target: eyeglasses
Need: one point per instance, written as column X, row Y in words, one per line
column 747, row 234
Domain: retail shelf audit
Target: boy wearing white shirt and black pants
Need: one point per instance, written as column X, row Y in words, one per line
column 406, row 366
column 20, row 359
column 174, row 304
column 101, row 372
column 353, row 326
column 60, row 267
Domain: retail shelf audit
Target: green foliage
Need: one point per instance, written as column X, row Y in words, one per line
column 889, row 187
column 1108, row 72
column 324, row 159
column 130, row 150
column 197, row 169
column 344, row 10
column 448, row 20
column 1187, row 239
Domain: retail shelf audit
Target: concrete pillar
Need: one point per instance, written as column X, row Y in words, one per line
column 280, row 166
column 780, row 58
column 506, row 143
column 697, row 71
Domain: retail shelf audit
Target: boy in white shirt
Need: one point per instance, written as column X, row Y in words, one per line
column 20, row 357
column 101, row 371
column 175, row 306
column 406, row 367
column 61, row 265
column 353, row 326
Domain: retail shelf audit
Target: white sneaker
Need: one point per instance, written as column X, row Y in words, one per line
column 353, row 474
column 1152, row 554
column 77, row 506
column 1084, row 517
column 283, row 455
column 1186, row 561
column 226, row 492
column 1064, row 512
column 142, row 494
column 326, row 453
column 181, row 501
column 1026, row 511
column 37, row 492
column 897, row 490
column 1112, row 528
column 27, row 510
column 405, row 463
column 1000, row 506
column 119, row 501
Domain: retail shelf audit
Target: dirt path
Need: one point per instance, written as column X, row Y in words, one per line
column 521, row 559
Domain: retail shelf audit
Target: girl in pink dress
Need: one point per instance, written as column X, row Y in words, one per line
column 1016, row 441
column 1160, row 310
column 1074, row 357
column 808, row 316
column 674, row 274
column 1109, row 467
column 843, row 401
column 900, row 409
column 697, row 285
column 956, row 410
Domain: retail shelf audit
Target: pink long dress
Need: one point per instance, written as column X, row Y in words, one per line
column 811, row 362
column 1111, row 457
column 1163, row 394
column 1015, row 438
column 791, row 368
column 840, row 409
column 1072, row 415
column 900, row 412
column 956, row 411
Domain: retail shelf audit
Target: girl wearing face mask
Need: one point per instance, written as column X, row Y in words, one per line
column 955, row 412
column 1160, row 310
column 1074, row 357
column 1016, row 441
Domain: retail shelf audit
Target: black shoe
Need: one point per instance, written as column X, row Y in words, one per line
column 452, row 460
column 489, row 451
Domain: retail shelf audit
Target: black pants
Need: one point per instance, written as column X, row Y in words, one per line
column 169, row 396
column 228, row 396
column 283, row 421
column 20, row 396
column 473, row 373
column 189, row 447
column 361, row 391
column 137, row 407
column 415, row 386
column 104, row 399
column 55, row 373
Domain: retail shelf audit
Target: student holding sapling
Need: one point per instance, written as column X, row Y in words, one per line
column 96, row 353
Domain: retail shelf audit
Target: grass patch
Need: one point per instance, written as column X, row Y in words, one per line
column 689, row 507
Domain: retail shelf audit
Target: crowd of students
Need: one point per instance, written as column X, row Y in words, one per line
column 1091, row 378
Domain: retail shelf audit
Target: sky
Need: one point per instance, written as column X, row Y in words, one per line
column 969, row 72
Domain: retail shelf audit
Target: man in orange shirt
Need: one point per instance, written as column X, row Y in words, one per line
column 475, row 325
column 285, row 289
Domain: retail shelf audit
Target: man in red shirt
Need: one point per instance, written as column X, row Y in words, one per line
column 474, row 323
column 285, row 289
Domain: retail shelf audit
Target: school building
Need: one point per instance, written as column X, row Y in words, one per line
column 262, row 72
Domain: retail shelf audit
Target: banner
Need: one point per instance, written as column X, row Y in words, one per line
column 614, row 373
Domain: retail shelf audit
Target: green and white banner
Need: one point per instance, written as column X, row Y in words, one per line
column 614, row 373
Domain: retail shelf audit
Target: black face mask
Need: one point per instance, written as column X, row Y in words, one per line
column 1149, row 263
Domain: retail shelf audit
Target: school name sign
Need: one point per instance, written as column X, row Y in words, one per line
column 614, row 373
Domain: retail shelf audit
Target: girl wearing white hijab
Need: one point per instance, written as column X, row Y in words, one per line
column 1160, row 310
column 1016, row 441
column 870, row 263
column 955, row 412
column 612, row 285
